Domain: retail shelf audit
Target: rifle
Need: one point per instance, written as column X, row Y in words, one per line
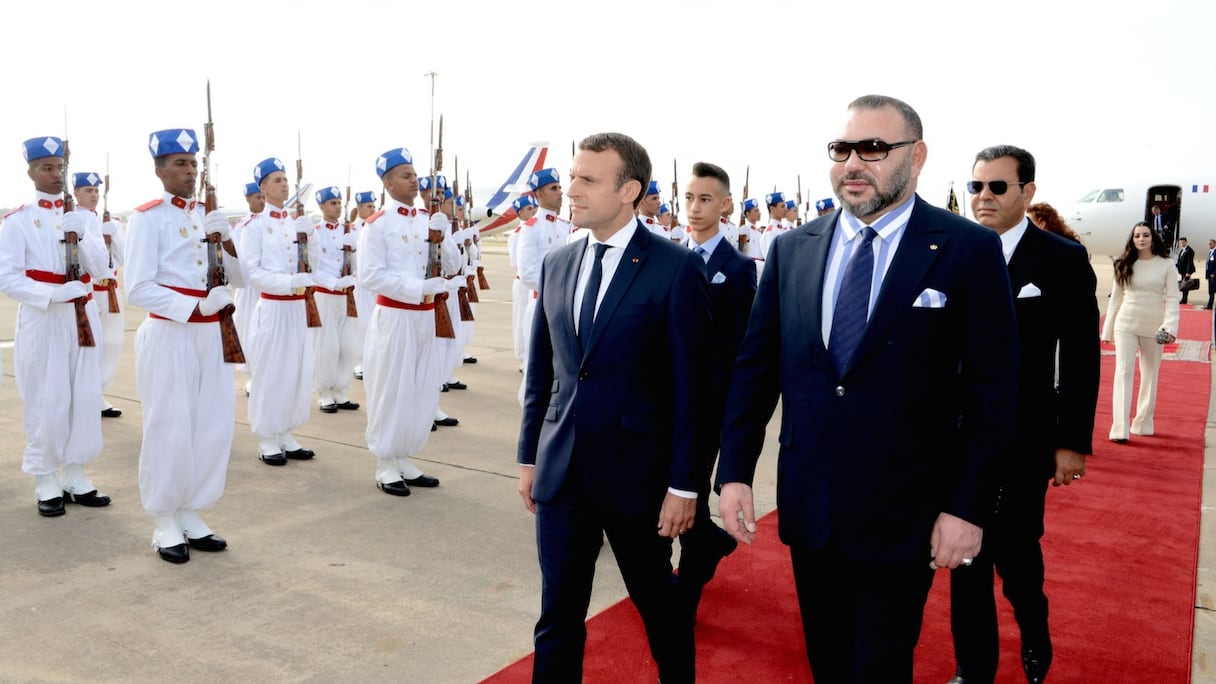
column 352, row 310
column 743, row 233
column 310, row 300
column 109, row 283
column 470, row 290
column 434, row 238
column 482, row 282
column 798, row 197
column 71, row 254
column 216, row 277
column 675, row 195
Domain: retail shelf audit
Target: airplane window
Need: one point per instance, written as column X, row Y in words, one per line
column 1114, row 195
column 1090, row 196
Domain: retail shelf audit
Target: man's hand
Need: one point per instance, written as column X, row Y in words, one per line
column 675, row 518
column 526, row 473
column 1070, row 466
column 735, row 505
column 953, row 541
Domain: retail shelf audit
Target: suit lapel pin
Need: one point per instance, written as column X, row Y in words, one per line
column 635, row 260
column 933, row 247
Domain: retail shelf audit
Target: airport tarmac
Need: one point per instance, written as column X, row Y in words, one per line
column 326, row 579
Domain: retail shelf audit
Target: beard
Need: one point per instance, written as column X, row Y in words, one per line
column 883, row 198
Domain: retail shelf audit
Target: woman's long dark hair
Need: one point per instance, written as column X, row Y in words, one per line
column 1124, row 264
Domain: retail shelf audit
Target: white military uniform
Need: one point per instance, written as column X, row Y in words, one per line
column 112, row 324
column 365, row 301
column 184, row 386
column 245, row 299
column 336, row 350
column 539, row 235
column 58, row 380
column 655, row 227
column 280, row 344
column 402, row 369
column 730, row 232
column 519, row 299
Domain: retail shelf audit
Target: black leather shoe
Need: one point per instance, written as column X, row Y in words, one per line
column 423, row 481
column 300, row 454
column 273, row 459
column 178, row 553
column 1036, row 662
column 470, row 359
column 347, row 406
column 1119, row 441
column 111, row 412
column 398, row 488
column 447, row 422
column 445, row 387
column 434, row 427
column 91, row 499
column 358, row 375
column 212, row 542
column 50, row 508
column 457, row 385
column 329, row 408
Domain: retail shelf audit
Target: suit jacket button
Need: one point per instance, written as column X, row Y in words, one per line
column 840, row 390
column 582, row 375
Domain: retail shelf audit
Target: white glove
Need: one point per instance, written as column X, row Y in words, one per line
column 345, row 282
column 72, row 223
column 433, row 286
column 217, row 223
column 321, row 279
column 351, row 240
column 217, row 298
column 440, row 222
column 304, row 225
column 300, row 280
column 109, row 228
column 73, row 289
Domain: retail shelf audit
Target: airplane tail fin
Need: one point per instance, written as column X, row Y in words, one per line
column 503, row 217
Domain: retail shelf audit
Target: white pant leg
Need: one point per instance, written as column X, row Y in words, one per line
column 402, row 376
column 112, row 335
column 1146, row 403
column 281, row 343
column 1121, row 391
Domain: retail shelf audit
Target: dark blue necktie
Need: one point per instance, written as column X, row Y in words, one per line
column 852, row 302
column 586, row 313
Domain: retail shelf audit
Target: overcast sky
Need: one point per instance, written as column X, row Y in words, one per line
column 1094, row 89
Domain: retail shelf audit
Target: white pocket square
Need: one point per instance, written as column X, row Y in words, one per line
column 1029, row 290
column 930, row 299
column 718, row 278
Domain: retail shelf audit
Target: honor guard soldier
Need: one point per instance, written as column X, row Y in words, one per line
column 525, row 208
column 59, row 380
column 184, row 386
column 472, row 261
column 539, row 235
column 365, row 299
column 401, row 361
column 648, row 210
column 790, row 221
column 730, row 231
column 280, row 344
column 334, row 352
column 87, row 187
column 453, row 347
column 825, row 206
column 667, row 220
column 246, row 298
column 750, row 227
column 776, row 213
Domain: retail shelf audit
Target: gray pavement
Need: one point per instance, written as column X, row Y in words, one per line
column 326, row 579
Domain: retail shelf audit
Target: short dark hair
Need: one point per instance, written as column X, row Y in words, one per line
column 635, row 161
column 912, row 122
column 1024, row 159
column 1181, row 239
column 707, row 170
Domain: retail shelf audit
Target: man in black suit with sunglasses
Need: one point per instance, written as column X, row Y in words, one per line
column 1057, row 317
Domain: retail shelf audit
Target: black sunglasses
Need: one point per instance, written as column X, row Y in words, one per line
column 871, row 150
column 997, row 187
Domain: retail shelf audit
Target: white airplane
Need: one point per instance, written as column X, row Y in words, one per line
column 497, row 215
column 1104, row 217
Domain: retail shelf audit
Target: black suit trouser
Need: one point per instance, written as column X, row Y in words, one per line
column 569, row 536
column 1011, row 549
column 861, row 619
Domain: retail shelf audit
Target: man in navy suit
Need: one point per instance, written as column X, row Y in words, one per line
column 732, row 287
column 609, row 442
column 887, row 330
column 1057, row 317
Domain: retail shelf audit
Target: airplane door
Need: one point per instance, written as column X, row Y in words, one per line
column 1169, row 198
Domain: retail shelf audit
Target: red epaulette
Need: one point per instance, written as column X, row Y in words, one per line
column 373, row 217
column 550, row 218
column 149, row 205
column 530, row 222
column 14, row 211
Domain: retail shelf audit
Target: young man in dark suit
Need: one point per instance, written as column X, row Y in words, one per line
column 608, row 443
column 732, row 287
column 1185, row 264
column 1057, row 318
column 1209, row 272
column 887, row 330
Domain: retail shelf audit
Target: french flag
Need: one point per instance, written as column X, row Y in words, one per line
column 1200, row 188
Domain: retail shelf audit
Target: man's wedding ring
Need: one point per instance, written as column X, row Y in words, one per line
column 967, row 561
column 1076, row 476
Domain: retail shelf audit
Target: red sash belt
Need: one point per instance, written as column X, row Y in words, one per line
column 55, row 278
column 97, row 287
column 195, row 317
column 282, row 298
column 394, row 304
column 341, row 293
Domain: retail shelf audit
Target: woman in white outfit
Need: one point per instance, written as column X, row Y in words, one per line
column 1143, row 301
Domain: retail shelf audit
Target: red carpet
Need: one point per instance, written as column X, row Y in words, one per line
column 1121, row 553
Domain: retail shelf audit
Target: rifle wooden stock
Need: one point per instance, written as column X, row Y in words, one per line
column 84, row 330
column 472, row 287
column 434, row 269
column 109, row 283
column 742, row 239
column 482, row 283
column 310, row 293
column 462, row 302
column 352, row 309
column 233, row 353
